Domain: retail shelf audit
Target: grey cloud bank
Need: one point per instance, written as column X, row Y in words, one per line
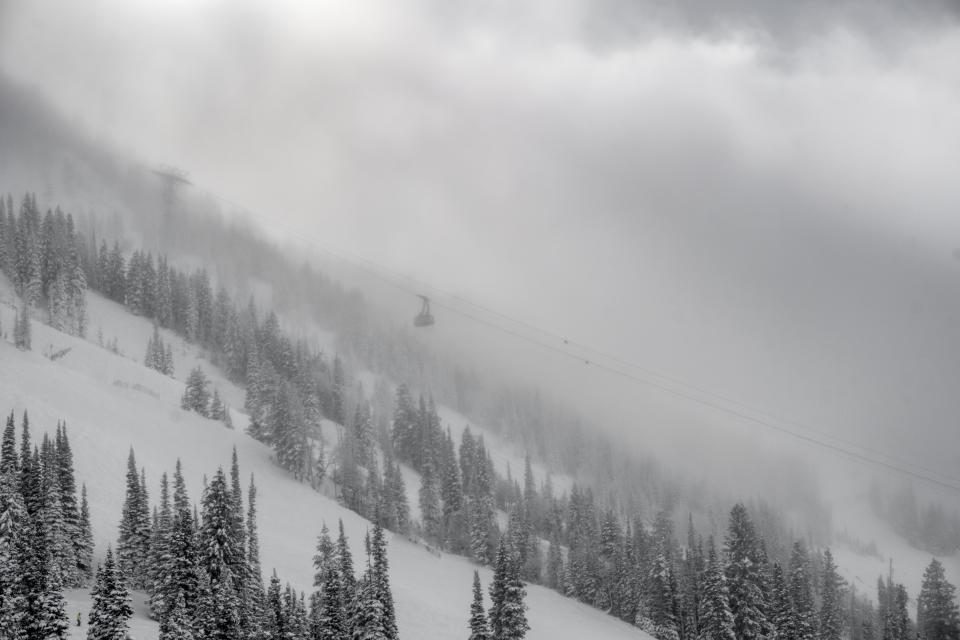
column 760, row 198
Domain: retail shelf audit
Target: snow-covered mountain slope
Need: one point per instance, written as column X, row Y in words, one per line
column 112, row 402
column 854, row 517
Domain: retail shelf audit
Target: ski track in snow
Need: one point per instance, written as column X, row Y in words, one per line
column 112, row 402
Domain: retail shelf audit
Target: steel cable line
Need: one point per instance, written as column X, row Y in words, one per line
column 662, row 382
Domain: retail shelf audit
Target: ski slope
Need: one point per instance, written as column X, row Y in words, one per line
column 112, row 402
column 862, row 571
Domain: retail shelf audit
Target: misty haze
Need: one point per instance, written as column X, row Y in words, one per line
column 326, row 320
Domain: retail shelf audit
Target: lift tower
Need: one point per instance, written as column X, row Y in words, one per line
column 171, row 179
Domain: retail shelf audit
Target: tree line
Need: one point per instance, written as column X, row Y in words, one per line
column 41, row 255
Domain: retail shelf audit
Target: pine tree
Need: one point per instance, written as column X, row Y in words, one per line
column 275, row 619
column 133, row 545
column 77, row 289
column 745, row 576
column 508, row 618
column 21, row 329
column 554, row 577
column 404, row 424
column 831, row 613
column 85, row 538
column 35, row 578
column 661, row 593
column 55, row 609
column 196, row 396
column 68, row 507
column 479, row 629
column 329, row 618
column 783, row 615
column 183, row 575
column 178, row 625
column 59, row 544
column 691, row 587
column 288, row 431
column 25, row 459
column 324, row 558
column 345, row 565
column 111, row 609
column 156, row 356
column 222, row 557
column 396, row 492
column 429, row 495
column 369, row 621
column 901, row 625
column 338, row 408
column 799, row 584
column 716, row 619
column 168, row 368
column 451, row 492
column 255, row 591
column 217, row 410
column 12, row 522
column 160, row 560
column 8, row 449
column 363, row 432
column 380, row 582
column 937, row 615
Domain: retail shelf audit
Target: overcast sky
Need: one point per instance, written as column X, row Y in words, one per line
column 760, row 198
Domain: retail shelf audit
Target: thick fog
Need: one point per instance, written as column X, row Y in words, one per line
column 760, row 202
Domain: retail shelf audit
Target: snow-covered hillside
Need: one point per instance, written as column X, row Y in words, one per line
column 112, row 402
column 855, row 518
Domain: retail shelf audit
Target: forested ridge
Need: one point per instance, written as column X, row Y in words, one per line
column 757, row 581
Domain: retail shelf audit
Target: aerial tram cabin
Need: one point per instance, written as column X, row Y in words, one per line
column 424, row 318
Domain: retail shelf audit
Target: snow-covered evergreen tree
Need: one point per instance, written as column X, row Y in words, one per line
column 12, row 519
column 111, row 610
column 479, row 628
column 369, row 620
column 288, row 431
column 363, row 432
column 379, row 577
column 508, row 618
column 800, row 587
column 937, row 615
column 275, row 619
column 217, row 410
column 159, row 355
column 9, row 463
column 716, row 619
column 133, row 545
column 196, row 395
column 783, row 615
column 744, row 574
column 329, row 620
column 222, row 557
column 22, row 337
column 661, row 593
column 345, row 565
column 85, row 538
column 177, row 625
column 160, row 560
column 831, row 607
column 66, row 480
column 430, row 511
column 255, row 590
